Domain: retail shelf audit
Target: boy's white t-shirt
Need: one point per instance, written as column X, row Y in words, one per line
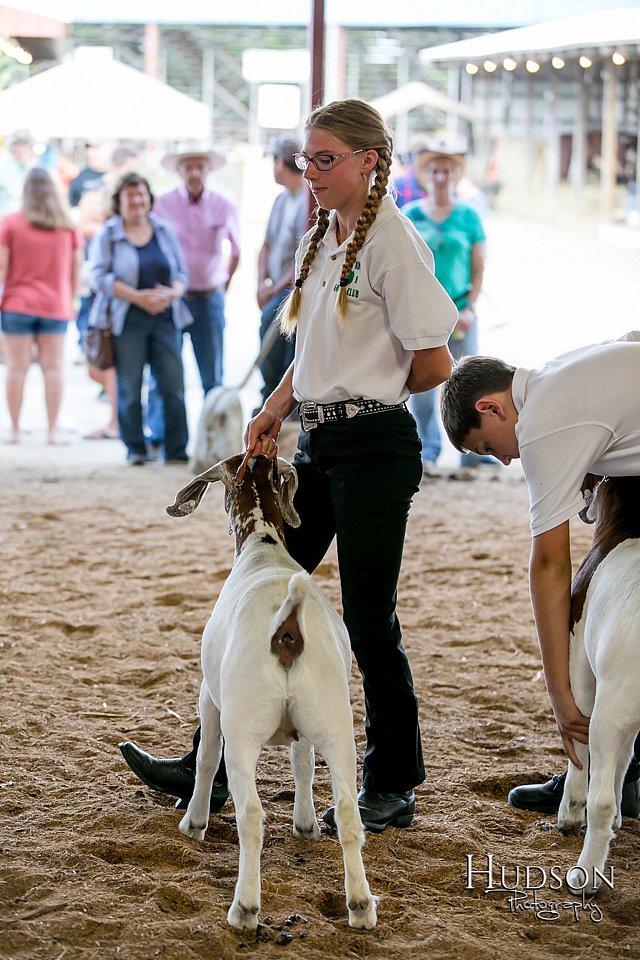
column 396, row 306
column 578, row 414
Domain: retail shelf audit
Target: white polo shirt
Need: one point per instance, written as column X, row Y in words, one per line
column 396, row 306
column 578, row 414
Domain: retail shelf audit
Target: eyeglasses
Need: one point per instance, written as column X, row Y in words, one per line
column 322, row 161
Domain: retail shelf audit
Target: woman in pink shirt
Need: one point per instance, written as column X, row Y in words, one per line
column 40, row 258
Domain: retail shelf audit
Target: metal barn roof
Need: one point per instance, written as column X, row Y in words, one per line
column 589, row 31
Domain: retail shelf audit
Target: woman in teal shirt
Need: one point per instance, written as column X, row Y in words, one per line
column 456, row 237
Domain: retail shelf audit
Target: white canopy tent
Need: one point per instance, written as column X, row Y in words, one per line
column 93, row 95
column 587, row 31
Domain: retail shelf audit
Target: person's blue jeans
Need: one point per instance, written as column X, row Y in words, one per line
column 82, row 318
column 207, row 340
column 207, row 337
column 279, row 358
column 424, row 407
column 153, row 340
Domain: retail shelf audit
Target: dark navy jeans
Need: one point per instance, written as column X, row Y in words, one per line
column 153, row 340
column 279, row 358
column 356, row 481
column 207, row 340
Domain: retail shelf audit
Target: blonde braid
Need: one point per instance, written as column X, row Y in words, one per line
column 368, row 215
column 289, row 315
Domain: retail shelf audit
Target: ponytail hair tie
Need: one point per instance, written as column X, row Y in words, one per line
column 299, row 282
column 344, row 281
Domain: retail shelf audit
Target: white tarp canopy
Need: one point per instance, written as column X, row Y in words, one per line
column 93, row 95
column 596, row 30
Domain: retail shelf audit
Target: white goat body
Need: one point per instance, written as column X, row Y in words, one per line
column 220, row 428
column 605, row 675
column 276, row 661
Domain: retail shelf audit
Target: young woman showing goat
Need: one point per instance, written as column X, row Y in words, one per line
column 372, row 324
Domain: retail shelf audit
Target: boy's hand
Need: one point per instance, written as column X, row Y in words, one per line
column 572, row 725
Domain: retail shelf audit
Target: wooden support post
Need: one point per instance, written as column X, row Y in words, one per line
column 553, row 139
column 316, row 44
column 152, row 49
column 578, row 169
column 609, row 149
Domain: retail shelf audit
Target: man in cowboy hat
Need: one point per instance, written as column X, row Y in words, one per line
column 453, row 231
column 203, row 220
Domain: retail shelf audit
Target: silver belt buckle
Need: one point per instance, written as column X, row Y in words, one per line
column 311, row 415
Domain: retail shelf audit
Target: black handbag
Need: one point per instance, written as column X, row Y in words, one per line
column 99, row 347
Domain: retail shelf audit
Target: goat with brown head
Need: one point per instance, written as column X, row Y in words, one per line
column 275, row 662
column 263, row 500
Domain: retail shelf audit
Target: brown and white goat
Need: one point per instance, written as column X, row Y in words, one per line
column 276, row 661
column 605, row 672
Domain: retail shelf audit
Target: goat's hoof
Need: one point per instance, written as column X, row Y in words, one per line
column 311, row 832
column 192, row 830
column 362, row 915
column 569, row 826
column 241, row 917
column 577, row 881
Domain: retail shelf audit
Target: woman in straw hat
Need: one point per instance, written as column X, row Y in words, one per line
column 454, row 233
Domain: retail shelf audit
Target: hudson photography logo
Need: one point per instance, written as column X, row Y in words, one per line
column 541, row 890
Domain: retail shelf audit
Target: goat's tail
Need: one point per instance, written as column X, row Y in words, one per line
column 287, row 642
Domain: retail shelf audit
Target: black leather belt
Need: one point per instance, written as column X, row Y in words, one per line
column 312, row 414
column 200, row 294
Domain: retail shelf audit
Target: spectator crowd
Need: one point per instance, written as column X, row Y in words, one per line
column 93, row 246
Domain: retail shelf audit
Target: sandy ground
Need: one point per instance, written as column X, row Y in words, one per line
column 103, row 602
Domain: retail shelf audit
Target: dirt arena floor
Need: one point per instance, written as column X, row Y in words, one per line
column 103, row 601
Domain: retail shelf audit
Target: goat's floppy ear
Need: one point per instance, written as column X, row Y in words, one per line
column 288, row 478
column 189, row 497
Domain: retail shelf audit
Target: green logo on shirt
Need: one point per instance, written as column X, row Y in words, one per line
column 352, row 282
